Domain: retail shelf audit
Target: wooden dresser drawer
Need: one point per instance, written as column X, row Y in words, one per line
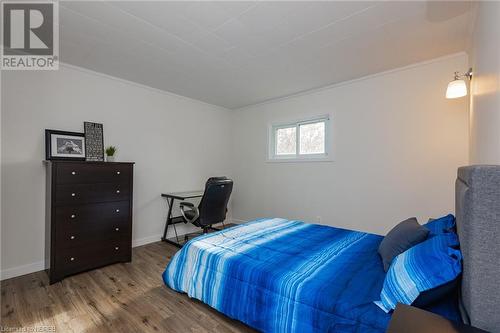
column 79, row 259
column 83, row 173
column 88, row 193
column 84, row 236
column 91, row 215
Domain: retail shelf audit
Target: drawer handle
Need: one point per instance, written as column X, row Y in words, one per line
column 72, row 259
column 72, row 237
column 118, row 172
column 118, row 191
column 73, row 194
column 73, row 216
column 117, row 229
column 117, row 210
column 73, row 173
column 117, row 248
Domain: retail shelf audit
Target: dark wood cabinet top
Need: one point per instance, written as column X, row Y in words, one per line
column 86, row 162
column 409, row 319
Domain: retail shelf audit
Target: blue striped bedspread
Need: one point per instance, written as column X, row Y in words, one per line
column 277, row 275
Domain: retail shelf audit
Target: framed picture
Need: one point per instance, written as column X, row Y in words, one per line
column 62, row 145
column 94, row 141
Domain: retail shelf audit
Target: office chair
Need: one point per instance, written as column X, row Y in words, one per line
column 213, row 205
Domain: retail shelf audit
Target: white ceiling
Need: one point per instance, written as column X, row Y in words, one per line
column 235, row 54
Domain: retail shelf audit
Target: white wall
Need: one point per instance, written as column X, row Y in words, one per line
column 485, row 85
column 397, row 144
column 176, row 143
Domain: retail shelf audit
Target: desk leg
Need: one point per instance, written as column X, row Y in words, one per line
column 170, row 203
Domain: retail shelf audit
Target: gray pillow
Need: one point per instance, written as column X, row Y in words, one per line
column 403, row 236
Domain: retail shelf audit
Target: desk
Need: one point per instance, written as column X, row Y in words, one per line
column 171, row 220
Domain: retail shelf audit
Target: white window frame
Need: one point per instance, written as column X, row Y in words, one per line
column 297, row 157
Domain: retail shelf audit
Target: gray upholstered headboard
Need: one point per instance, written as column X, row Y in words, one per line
column 478, row 225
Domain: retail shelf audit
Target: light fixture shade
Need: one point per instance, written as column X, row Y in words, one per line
column 456, row 89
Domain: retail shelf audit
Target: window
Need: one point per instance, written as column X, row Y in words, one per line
column 301, row 140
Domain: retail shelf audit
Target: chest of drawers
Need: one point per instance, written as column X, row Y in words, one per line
column 89, row 216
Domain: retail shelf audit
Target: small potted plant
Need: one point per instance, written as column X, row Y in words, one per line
column 110, row 153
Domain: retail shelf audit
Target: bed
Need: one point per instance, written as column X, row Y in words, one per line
column 277, row 275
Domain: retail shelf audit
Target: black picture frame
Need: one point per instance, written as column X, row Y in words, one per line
column 94, row 141
column 50, row 155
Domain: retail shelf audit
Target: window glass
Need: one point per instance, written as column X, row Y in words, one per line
column 301, row 140
column 286, row 141
column 312, row 138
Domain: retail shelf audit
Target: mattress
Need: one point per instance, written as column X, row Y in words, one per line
column 277, row 275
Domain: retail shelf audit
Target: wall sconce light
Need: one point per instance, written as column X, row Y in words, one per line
column 457, row 88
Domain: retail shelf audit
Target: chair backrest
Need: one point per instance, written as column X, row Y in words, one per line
column 213, row 205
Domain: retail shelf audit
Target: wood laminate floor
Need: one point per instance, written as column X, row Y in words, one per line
column 118, row 298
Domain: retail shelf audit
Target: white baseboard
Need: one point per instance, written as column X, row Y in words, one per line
column 22, row 270
column 40, row 265
column 146, row 240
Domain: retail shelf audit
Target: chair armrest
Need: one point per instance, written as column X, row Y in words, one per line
column 191, row 207
column 186, row 203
